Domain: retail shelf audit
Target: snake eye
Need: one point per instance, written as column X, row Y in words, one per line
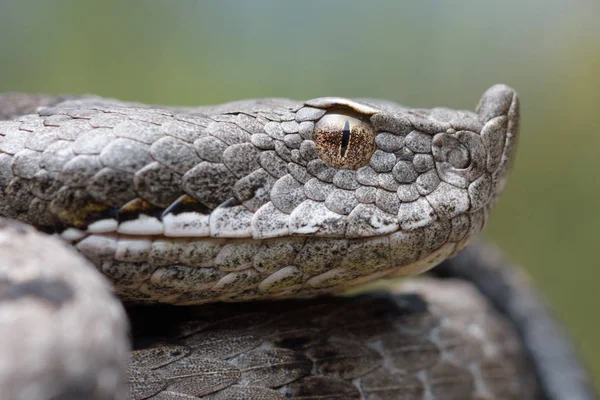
column 344, row 141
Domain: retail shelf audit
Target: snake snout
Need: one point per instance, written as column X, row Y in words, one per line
column 499, row 109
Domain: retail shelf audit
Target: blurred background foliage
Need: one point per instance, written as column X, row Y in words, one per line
column 421, row 53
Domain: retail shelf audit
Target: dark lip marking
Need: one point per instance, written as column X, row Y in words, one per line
column 49, row 230
column 231, row 202
column 345, row 138
column 109, row 213
column 186, row 204
column 133, row 209
column 54, row 291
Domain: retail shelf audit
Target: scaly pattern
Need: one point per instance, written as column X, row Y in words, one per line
column 244, row 201
column 234, row 202
column 427, row 340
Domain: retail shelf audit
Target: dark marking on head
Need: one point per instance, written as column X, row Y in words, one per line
column 232, row 202
column 109, row 213
column 186, row 204
column 53, row 291
column 133, row 209
column 50, row 229
column 76, row 208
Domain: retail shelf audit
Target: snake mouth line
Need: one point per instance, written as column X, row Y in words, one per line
column 234, row 221
column 73, row 235
column 273, row 266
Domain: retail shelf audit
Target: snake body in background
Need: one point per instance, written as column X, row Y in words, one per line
column 225, row 207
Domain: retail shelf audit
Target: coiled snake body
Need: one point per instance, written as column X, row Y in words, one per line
column 246, row 202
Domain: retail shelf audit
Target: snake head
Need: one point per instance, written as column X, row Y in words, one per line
column 420, row 181
column 263, row 197
column 367, row 168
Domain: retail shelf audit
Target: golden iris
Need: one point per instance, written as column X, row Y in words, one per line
column 344, row 141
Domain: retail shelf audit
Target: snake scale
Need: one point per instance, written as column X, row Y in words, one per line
column 224, row 209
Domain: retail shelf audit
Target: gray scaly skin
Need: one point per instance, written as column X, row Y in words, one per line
column 272, row 219
column 64, row 334
column 257, row 184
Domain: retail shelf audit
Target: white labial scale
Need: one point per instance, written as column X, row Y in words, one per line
column 133, row 249
column 72, row 234
column 98, row 247
column 143, row 225
column 166, row 251
column 103, row 226
column 187, row 224
column 313, row 217
column 382, row 222
column 269, row 222
column 231, row 222
column 369, row 220
column 415, row 215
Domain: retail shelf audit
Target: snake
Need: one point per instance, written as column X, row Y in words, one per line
column 222, row 252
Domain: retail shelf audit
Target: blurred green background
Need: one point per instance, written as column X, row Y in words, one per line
column 420, row 53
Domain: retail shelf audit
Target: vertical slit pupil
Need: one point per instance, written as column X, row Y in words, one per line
column 345, row 138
